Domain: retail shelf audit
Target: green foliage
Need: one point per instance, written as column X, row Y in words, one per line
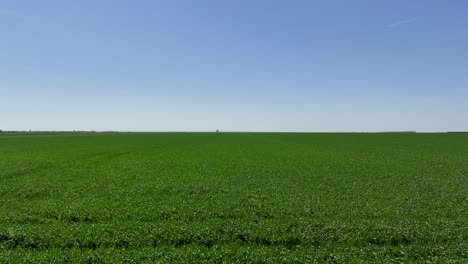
column 233, row 197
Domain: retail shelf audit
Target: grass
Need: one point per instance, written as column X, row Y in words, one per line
column 233, row 197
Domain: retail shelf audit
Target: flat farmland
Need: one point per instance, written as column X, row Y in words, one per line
column 233, row 197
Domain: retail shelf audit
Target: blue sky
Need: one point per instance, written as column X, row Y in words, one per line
column 136, row 65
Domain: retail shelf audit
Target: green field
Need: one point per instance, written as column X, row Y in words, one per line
column 233, row 197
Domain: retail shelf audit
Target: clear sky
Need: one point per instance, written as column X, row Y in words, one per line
column 234, row 65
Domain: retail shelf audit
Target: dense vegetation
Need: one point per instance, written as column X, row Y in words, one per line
column 235, row 197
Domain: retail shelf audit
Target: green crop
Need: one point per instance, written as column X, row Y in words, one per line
column 233, row 197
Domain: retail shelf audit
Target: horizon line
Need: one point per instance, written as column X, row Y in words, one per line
column 221, row 131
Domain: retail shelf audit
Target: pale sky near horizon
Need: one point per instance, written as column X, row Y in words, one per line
column 245, row 65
